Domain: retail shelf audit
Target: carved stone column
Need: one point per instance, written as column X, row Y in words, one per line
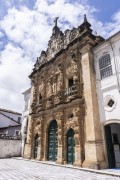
column 29, row 144
column 76, row 119
column 59, row 119
column 45, row 143
column 65, row 147
column 77, row 147
column 94, row 153
column 40, row 134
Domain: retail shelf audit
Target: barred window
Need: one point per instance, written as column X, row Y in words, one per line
column 105, row 66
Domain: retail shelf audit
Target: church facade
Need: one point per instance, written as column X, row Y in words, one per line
column 64, row 123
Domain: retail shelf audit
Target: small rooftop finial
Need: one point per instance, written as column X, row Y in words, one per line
column 85, row 18
column 56, row 21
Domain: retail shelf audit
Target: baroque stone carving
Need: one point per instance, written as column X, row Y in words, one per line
column 55, row 44
column 66, row 38
column 74, row 116
column 42, row 88
column 49, row 88
column 73, row 34
column 72, row 70
column 42, row 58
column 59, row 118
column 30, row 132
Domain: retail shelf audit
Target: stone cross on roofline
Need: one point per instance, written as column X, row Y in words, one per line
column 56, row 19
column 85, row 18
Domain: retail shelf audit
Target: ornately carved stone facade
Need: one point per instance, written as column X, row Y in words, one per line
column 64, row 120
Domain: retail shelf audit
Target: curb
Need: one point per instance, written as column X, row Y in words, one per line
column 72, row 167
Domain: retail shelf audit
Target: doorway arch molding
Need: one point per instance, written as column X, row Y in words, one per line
column 76, row 131
column 111, row 121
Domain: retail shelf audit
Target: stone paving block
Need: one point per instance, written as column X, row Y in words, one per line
column 13, row 169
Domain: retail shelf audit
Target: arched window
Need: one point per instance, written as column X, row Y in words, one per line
column 105, row 66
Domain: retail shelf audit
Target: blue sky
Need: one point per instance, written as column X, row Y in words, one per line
column 25, row 28
column 106, row 8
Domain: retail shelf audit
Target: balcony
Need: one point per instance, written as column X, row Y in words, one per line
column 71, row 91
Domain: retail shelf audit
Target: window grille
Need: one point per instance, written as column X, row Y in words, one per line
column 105, row 66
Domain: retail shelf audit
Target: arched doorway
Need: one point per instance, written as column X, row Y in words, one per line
column 112, row 133
column 35, row 146
column 70, row 146
column 52, row 141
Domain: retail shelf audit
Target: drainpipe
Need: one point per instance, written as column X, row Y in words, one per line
column 116, row 72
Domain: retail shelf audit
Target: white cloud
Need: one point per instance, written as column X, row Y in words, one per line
column 28, row 31
column 14, row 72
column 71, row 12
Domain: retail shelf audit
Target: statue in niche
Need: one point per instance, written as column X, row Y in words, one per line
column 59, row 81
column 49, row 89
column 41, row 88
column 72, row 70
column 54, row 85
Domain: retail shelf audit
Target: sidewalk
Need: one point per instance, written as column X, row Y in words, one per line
column 110, row 172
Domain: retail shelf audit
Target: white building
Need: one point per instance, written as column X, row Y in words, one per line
column 10, row 122
column 107, row 66
column 10, row 136
column 25, row 115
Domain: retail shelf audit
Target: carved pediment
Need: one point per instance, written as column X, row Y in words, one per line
column 55, row 45
column 60, row 40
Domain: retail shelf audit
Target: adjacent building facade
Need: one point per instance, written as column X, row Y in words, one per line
column 25, row 116
column 107, row 65
column 64, row 124
column 10, row 133
column 10, row 122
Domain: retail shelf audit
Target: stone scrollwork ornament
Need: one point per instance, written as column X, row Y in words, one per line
column 41, row 88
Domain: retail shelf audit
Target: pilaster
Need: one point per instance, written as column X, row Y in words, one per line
column 94, row 153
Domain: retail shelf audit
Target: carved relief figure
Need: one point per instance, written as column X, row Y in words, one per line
column 54, row 85
column 41, row 88
column 59, row 82
column 49, row 89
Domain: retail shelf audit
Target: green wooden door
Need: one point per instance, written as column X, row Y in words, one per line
column 52, row 141
column 70, row 147
column 110, row 149
column 35, row 146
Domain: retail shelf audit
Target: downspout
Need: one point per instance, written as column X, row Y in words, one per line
column 116, row 72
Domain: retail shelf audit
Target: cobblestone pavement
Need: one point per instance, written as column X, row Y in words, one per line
column 14, row 169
